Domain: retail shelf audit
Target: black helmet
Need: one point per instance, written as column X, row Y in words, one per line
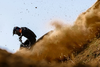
column 16, row 30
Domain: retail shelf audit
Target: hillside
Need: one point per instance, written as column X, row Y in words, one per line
column 73, row 46
column 88, row 57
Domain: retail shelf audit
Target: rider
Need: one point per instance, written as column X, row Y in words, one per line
column 24, row 31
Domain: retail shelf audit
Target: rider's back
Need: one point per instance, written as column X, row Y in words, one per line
column 28, row 34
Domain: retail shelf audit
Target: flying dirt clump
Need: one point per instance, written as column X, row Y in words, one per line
column 65, row 41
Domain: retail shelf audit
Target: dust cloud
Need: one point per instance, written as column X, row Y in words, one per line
column 65, row 41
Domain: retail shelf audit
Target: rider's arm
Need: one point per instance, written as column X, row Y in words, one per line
column 20, row 38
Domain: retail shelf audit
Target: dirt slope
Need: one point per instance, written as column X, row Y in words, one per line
column 88, row 57
column 13, row 60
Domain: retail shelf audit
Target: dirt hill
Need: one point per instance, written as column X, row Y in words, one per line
column 87, row 58
column 73, row 46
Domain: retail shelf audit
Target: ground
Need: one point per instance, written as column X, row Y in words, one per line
column 90, row 56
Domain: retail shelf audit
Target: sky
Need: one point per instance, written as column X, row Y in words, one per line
column 36, row 15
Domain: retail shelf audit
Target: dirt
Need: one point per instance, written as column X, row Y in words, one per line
column 87, row 58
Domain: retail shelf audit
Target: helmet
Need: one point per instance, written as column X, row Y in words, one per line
column 16, row 31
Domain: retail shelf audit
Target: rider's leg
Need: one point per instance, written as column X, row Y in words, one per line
column 33, row 41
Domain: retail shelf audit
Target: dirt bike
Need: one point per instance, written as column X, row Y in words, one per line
column 26, row 44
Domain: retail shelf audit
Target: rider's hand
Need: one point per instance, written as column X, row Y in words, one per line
column 20, row 40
